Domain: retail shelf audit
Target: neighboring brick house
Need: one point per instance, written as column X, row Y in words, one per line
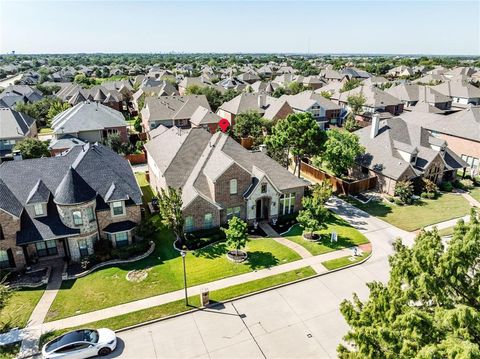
column 89, row 122
column 323, row 110
column 220, row 179
column 203, row 117
column 14, row 127
column 400, row 149
column 171, row 110
column 376, row 101
column 461, row 130
column 57, row 207
column 75, row 94
column 269, row 107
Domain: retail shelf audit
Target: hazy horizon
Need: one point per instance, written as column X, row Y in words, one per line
column 362, row 28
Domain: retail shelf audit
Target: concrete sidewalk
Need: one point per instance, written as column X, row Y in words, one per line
column 302, row 252
column 313, row 261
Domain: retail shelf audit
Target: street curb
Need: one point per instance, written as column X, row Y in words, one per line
column 153, row 321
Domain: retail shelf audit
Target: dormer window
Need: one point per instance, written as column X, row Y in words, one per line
column 118, row 208
column 38, row 208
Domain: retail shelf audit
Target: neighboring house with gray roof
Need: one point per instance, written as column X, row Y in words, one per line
column 14, row 127
column 399, row 149
column 14, row 94
column 461, row 130
column 410, row 94
column 171, row 110
column 58, row 207
column 461, row 92
column 376, row 100
column 220, row 179
column 89, row 122
column 323, row 110
column 269, row 107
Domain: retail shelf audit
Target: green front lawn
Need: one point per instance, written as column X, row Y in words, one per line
column 347, row 236
column 344, row 261
column 426, row 212
column 19, row 307
column 475, row 193
column 164, row 310
column 108, row 287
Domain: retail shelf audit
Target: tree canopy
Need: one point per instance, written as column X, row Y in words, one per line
column 340, row 151
column 247, row 124
column 298, row 134
column 32, row 148
column 356, row 102
column 430, row 307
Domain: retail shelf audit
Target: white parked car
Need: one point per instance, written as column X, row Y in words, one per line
column 80, row 344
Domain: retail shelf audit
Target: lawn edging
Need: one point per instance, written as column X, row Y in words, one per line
column 44, row 281
column 65, row 276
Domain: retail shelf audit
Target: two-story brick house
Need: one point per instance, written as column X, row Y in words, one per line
column 57, row 207
column 220, row 179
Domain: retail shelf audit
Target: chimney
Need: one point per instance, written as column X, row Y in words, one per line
column 375, row 125
column 17, row 155
column 262, row 100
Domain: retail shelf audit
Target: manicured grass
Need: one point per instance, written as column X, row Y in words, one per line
column 19, row 307
column 179, row 306
column 347, row 237
column 144, row 186
column 475, row 193
column 426, row 212
column 108, row 287
column 344, row 261
column 446, row 231
column 45, row 131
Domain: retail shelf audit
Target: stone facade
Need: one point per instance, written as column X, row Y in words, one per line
column 66, row 216
column 104, row 218
column 10, row 225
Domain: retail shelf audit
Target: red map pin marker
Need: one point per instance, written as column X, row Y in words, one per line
column 223, row 124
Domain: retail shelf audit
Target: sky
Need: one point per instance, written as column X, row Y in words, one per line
column 379, row 27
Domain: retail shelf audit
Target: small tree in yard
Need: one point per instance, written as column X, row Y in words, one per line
column 429, row 186
column 114, row 141
column 32, row 148
column 350, row 123
column 170, row 207
column 248, row 124
column 322, row 191
column 313, row 215
column 404, row 191
column 236, row 234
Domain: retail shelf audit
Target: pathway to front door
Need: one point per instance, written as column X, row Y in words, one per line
column 279, row 239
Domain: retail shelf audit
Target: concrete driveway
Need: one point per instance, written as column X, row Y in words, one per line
column 297, row 321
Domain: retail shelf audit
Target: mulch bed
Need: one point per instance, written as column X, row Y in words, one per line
column 29, row 278
column 237, row 257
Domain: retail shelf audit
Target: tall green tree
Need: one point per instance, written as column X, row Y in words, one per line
column 350, row 85
column 356, row 102
column 214, row 97
column 299, row 135
column 32, row 148
column 249, row 124
column 170, row 207
column 430, row 307
column 236, row 234
column 56, row 107
column 340, row 151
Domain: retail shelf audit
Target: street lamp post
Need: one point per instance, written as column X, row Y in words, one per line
column 184, row 254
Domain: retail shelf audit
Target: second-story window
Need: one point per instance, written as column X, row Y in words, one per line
column 233, row 186
column 264, row 188
column 117, row 208
column 38, row 208
column 90, row 214
column 77, row 218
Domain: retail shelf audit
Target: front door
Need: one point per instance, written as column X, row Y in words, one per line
column 262, row 205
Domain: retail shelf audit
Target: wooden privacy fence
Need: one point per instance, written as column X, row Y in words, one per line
column 339, row 186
